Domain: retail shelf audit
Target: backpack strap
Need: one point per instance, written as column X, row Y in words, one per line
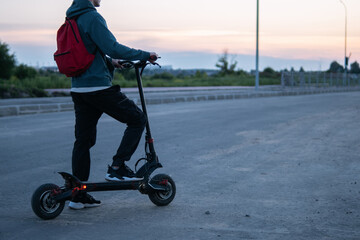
column 96, row 47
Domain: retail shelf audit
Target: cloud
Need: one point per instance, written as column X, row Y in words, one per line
column 24, row 34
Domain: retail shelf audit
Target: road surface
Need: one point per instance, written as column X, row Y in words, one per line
column 262, row 168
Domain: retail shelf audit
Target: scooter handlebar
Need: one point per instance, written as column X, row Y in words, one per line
column 126, row 64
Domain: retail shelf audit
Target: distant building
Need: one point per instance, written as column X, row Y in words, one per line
column 50, row 69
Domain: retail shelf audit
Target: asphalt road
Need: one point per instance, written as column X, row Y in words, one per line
column 262, row 168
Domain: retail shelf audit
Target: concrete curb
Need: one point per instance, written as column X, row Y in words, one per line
column 34, row 109
column 25, row 106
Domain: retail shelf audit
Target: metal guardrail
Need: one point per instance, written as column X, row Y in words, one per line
column 319, row 79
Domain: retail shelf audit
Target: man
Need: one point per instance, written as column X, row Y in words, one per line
column 93, row 95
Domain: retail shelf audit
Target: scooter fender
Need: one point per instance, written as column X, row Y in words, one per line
column 157, row 185
column 70, row 180
column 148, row 168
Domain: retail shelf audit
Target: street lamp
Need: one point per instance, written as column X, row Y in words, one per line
column 346, row 58
column 257, row 47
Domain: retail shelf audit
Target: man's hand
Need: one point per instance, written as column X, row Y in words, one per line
column 116, row 63
column 153, row 57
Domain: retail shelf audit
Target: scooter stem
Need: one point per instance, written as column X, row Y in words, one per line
column 148, row 136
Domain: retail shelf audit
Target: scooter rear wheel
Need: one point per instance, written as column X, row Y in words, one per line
column 163, row 198
column 43, row 204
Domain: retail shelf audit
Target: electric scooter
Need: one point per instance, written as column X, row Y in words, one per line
column 48, row 200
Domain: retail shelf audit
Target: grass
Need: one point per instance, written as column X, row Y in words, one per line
column 34, row 87
column 193, row 81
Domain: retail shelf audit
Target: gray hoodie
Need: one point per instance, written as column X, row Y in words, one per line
column 99, row 40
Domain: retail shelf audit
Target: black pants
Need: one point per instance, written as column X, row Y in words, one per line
column 88, row 109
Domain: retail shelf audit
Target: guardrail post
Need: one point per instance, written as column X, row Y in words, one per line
column 331, row 80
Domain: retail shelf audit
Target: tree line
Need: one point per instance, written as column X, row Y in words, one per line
column 225, row 65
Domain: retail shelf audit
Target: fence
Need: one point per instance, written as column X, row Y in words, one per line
column 319, row 79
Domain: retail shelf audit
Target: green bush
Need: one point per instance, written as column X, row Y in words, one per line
column 127, row 74
column 7, row 61
column 164, row 76
column 11, row 91
column 22, row 71
column 269, row 73
column 34, row 87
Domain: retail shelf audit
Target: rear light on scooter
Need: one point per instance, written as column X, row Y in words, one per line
column 81, row 188
column 163, row 182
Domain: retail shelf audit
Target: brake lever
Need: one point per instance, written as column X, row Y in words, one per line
column 156, row 64
column 152, row 60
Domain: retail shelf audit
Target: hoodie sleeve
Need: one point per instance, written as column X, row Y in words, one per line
column 108, row 44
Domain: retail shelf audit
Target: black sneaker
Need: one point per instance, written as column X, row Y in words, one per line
column 83, row 200
column 124, row 173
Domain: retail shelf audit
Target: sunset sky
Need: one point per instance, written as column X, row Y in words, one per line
column 193, row 34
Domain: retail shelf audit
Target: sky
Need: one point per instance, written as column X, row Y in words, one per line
column 195, row 33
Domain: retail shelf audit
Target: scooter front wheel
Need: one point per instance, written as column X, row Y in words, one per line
column 43, row 203
column 160, row 197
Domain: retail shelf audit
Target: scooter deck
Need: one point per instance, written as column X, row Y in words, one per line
column 144, row 185
column 72, row 182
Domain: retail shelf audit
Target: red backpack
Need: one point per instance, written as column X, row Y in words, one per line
column 72, row 58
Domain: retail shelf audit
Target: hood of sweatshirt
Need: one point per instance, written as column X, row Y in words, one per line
column 96, row 36
column 79, row 7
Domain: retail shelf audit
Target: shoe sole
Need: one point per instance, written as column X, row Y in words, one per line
column 115, row 179
column 88, row 205
column 79, row 205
